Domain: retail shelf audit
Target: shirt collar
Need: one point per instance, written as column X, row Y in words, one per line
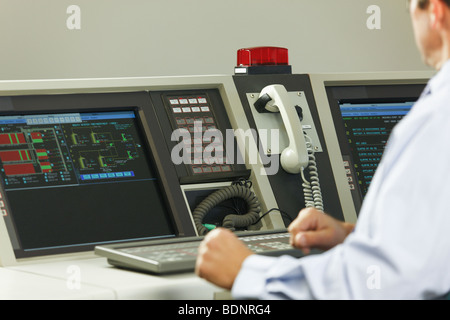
column 439, row 80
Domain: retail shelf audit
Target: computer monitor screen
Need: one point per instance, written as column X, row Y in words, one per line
column 75, row 180
column 368, row 127
column 364, row 117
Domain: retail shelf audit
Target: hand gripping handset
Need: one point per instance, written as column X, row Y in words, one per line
column 295, row 156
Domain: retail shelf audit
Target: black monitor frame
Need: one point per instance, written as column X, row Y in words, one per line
column 148, row 123
column 365, row 92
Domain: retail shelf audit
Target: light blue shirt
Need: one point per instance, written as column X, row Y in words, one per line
column 400, row 248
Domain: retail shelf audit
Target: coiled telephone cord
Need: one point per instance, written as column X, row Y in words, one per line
column 311, row 190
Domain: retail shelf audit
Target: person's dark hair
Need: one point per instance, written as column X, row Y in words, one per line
column 424, row 3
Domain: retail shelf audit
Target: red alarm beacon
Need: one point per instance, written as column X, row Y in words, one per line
column 263, row 60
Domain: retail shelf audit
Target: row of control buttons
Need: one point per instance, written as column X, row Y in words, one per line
column 176, row 101
column 212, row 169
column 348, row 172
column 190, row 109
column 182, row 121
column 3, row 206
column 198, row 128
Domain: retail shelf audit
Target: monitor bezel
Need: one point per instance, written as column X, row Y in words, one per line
column 366, row 92
column 154, row 146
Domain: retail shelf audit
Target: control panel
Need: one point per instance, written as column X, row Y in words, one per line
column 193, row 116
column 199, row 135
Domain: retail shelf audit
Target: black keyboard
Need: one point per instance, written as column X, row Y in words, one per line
column 179, row 255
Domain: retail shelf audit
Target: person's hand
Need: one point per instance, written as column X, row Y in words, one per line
column 314, row 229
column 220, row 257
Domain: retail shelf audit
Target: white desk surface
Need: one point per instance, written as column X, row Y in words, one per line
column 98, row 280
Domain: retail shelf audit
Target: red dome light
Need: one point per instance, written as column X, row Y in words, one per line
column 262, row 56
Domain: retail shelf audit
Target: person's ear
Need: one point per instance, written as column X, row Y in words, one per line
column 437, row 12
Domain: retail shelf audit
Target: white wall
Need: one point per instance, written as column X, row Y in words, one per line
column 182, row 37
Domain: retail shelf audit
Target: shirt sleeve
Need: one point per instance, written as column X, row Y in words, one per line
column 319, row 276
column 351, row 271
column 271, row 278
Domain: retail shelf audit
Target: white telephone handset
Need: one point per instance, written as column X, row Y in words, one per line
column 295, row 156
column 299, row 154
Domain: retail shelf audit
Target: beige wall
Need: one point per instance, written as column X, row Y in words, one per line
column 190, row 37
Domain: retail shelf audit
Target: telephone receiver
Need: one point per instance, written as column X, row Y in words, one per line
column 296, row 157
column 275, row 98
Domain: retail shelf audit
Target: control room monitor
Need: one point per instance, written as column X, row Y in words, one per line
column 364, row 116
column 75, row 179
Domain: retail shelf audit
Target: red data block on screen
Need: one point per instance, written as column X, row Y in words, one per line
column 14, row 155
column 18, row 169
column 12, row 138
column 6, row 156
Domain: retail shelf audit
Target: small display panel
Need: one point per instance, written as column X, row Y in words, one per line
column 75, row 180
column 368, row 127
column 364, row 116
